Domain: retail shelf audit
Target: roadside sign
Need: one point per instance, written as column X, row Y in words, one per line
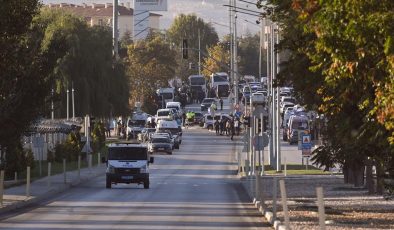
column 306, row 141
column 300, row 135
column 86, row 149
column 259, row 142
column 306, row 152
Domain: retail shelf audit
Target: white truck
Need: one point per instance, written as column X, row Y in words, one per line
column 127, row 163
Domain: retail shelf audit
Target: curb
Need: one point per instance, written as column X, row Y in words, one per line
column 269, row 216
column 49, row 193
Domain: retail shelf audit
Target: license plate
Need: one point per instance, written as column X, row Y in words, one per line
column 161, row 148
column 127, row 177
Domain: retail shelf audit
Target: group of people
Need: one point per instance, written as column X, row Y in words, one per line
column 228, row 127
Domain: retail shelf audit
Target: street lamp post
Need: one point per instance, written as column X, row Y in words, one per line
column 73, row 101
column 68, row 102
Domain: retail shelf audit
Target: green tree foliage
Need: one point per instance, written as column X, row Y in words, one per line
column 218, row 58
column 342, row 64
column 70, row 149
column 151, row 64
column 98, row 136
column 248, row 52
column 187, row 27
column 101, row 86
column 25, row 69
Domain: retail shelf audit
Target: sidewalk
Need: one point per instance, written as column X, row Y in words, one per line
column 15, row 197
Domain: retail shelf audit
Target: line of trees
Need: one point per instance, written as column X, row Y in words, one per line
column 341, row 63
column 45, row 49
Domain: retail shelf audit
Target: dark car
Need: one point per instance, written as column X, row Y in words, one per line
column 206, row 103
column 198, row 117
column 160, row 144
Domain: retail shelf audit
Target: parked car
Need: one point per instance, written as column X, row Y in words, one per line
column 207, row 102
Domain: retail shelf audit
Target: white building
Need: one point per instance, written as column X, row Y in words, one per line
column 101, row 14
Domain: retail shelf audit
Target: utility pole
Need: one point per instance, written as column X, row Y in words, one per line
column 279, row 157
column 68, row 103
column 235, row 56
column 231, row 42
column 199, row 52
column 115, row 35
column 72, row 99
column 52, row 106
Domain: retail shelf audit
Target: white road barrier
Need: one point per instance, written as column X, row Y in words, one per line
column 28, row 181
column 284, row 203
column 320, row 204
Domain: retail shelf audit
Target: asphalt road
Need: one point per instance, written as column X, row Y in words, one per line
column 195, row 188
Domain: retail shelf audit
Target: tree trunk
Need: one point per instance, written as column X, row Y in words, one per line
column 358, row 174
column 345, row 173
column 379, row 178
column 369, row 178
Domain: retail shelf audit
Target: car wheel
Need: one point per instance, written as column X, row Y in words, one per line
column 170, row 153
column 108, row 183
column 146, row 184
column 210, row 127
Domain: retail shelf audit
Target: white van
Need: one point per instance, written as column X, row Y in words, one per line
column 164, row 114
column 174, row 128
column 166, row 94
column 174, row 105
column 127, row 163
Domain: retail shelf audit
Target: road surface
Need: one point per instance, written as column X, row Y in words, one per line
column 195, row 188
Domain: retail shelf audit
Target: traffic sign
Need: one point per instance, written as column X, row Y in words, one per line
column 306, row 141
column 306, row 152
column 86, row 149
column 259, row 142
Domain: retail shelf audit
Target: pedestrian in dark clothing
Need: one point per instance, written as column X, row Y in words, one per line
column 232, row 129
column 221, row 124
column 217, row 127
column 236, row 126
column 183, row 119
column 221, row 103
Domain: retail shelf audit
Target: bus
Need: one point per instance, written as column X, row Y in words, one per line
column 219, row 79
column 198, row 83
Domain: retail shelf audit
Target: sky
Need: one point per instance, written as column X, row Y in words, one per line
column 211, row 11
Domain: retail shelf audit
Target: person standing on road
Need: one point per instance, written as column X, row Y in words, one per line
column 232, row 128
column 217, row 126
column 221, row 103
column 236, row 126
column 183, row 119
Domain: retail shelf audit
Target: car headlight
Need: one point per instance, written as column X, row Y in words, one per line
column 144, row 169
column 110, row 169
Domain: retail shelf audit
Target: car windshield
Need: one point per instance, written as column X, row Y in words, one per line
column 163, row 113
column 197, row 81
column 291, row 100
column 208, row 101
column 219, row 78
column 127, row 153
column 172, row 130
column 167, row 95
column 300, row 125
column 160, row 140
column 136, row 123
